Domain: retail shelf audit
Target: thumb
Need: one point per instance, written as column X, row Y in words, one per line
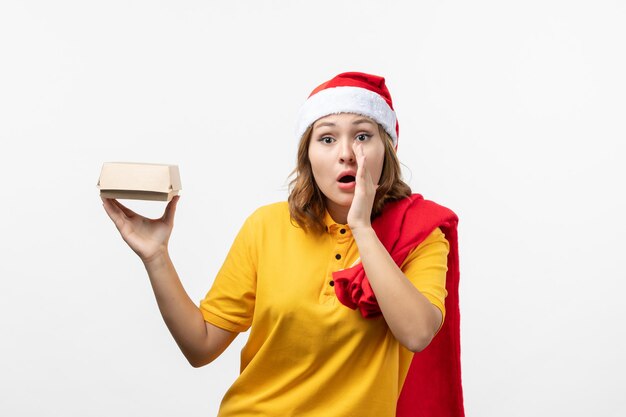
column 170, row 211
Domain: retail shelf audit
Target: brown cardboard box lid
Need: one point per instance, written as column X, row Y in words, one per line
column 139, row 181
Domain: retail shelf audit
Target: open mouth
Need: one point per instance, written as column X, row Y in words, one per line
column 347, row 179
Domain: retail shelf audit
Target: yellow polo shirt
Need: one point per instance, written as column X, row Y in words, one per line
column 307, row 354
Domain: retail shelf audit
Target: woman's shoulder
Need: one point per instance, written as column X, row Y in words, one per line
column 271, row 218
column 270, row 213
column 272, row 209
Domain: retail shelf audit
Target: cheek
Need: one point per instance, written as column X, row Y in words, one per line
column 378, row 174
column 313, row 160
column 317, row 163
column 376, row 159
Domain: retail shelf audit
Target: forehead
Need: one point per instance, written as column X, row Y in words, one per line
column 343, row 119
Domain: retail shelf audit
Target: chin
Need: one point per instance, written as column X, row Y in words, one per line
column 342, row 200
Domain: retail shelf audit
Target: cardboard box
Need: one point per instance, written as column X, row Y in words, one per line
column 139, row 181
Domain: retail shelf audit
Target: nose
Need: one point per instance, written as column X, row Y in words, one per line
column 346, row 153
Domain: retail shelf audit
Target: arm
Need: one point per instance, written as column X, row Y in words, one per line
column 199, row 341
column 411, row 317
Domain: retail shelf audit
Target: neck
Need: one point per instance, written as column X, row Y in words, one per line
column 338, row 213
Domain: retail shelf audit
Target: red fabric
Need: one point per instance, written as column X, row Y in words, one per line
column 432, row 387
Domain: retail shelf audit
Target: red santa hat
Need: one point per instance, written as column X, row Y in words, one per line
column 351, row 92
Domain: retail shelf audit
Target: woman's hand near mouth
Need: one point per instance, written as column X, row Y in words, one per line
column 360, row 212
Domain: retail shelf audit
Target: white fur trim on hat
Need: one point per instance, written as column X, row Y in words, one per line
column 357, row 100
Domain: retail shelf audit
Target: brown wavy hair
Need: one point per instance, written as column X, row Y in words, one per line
column 306, row 202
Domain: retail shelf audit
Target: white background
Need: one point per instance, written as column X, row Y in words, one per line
column 511, row 113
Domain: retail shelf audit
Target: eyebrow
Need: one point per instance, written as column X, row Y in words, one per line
column 356, row 122
column 326, row 124
column 361, row 121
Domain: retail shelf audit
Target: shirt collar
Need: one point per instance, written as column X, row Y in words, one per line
column 332, row 226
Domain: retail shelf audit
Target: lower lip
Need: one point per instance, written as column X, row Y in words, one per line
column 346, row 186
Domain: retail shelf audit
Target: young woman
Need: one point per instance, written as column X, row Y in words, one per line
column 339, row 286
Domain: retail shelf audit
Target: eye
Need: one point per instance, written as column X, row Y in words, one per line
column 363, row 137
column 326, row 139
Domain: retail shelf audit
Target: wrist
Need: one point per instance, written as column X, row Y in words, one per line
column 363, row 232
column 157, row 260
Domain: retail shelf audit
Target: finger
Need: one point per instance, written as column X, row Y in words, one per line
column 110, row 208
column 127, row 212
column 170, row 210
column 361, row 160
column 114, row 212
column 357, row 148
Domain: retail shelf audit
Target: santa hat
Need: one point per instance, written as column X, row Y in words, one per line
column 351, row 92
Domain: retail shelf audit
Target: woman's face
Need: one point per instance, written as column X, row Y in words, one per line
column 333, row 161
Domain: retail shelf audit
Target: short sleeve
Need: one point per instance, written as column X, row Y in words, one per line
column 229, row 304
column 426, row 267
